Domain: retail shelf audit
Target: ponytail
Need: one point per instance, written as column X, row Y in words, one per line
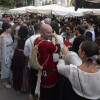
column 94, row 58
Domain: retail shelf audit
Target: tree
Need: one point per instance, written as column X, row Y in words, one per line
column 7, row 2
column 20, row 3
column 30, row 2
column 17, row 3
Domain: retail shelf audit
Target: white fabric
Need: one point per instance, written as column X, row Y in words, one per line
column 67, row 13
column 96, row 12
column 81, row 10
column 90, row 82
column 91, row 29
column 54, row 9
column 43, row 22
column 28, row 47
column 60, row 41
column 21, row 10
column 39, row 9
column 37, row 89
column 27, row 53
column 72, row 58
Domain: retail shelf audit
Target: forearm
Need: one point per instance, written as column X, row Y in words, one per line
column 56, row 40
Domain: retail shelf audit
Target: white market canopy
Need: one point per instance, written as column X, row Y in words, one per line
column 84, row 11
column 54, row 9
column 21, row 10
column 39, row 10
column 96, row 12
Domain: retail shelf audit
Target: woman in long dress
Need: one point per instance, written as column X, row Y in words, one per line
column 6, row 53
column 19, row 63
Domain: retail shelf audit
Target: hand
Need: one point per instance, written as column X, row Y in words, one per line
column 64, row 51
column 54, row 35
column 16, row 37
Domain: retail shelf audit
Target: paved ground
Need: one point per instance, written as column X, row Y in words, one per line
column 11, row 94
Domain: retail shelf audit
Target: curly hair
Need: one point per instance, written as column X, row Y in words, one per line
column 23, row 32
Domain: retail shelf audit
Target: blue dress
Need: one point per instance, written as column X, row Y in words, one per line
column 6, row 54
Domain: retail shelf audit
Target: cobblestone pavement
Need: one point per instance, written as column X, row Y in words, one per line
column 11, row 94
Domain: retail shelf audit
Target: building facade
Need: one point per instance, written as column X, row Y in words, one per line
column 46, row 2
column 66, row 3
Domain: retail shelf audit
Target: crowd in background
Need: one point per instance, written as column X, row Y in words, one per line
column 74, row 34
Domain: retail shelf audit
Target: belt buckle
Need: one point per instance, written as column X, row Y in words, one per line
column 44, row 73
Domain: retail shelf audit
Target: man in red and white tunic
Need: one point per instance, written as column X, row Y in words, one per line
column 45, row 57
column 69, row 36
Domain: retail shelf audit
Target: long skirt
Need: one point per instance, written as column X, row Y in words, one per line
column 64, row 90
column 20, row 71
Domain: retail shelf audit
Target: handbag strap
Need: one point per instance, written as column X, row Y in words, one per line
column 38, row 45
column 46, row 60
column 80, row 82
column 34, row 42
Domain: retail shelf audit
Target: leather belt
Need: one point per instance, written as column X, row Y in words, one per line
column 45, row 73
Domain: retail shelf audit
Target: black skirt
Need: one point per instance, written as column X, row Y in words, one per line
column 64, row 90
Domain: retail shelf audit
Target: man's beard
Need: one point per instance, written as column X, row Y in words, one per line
column 86, row 27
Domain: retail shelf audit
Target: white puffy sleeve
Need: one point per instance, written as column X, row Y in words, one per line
column 62, row 68
column 65, row 66
column 72, row 58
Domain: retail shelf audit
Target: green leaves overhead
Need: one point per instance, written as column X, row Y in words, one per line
column 14, row 2
column 7, row 2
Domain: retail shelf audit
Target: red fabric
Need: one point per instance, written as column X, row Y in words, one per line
column 45, row 49
column 68, row 43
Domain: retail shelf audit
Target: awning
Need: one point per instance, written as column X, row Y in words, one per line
column 54, row 9
column 21, row 10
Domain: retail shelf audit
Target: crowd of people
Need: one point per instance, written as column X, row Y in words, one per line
column 68, row 56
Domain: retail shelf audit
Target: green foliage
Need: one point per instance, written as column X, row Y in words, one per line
column 12, row 3
column 29, row 2
column 7, row 2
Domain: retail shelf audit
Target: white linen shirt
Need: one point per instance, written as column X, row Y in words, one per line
column 90, row 82
column 28, row 45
